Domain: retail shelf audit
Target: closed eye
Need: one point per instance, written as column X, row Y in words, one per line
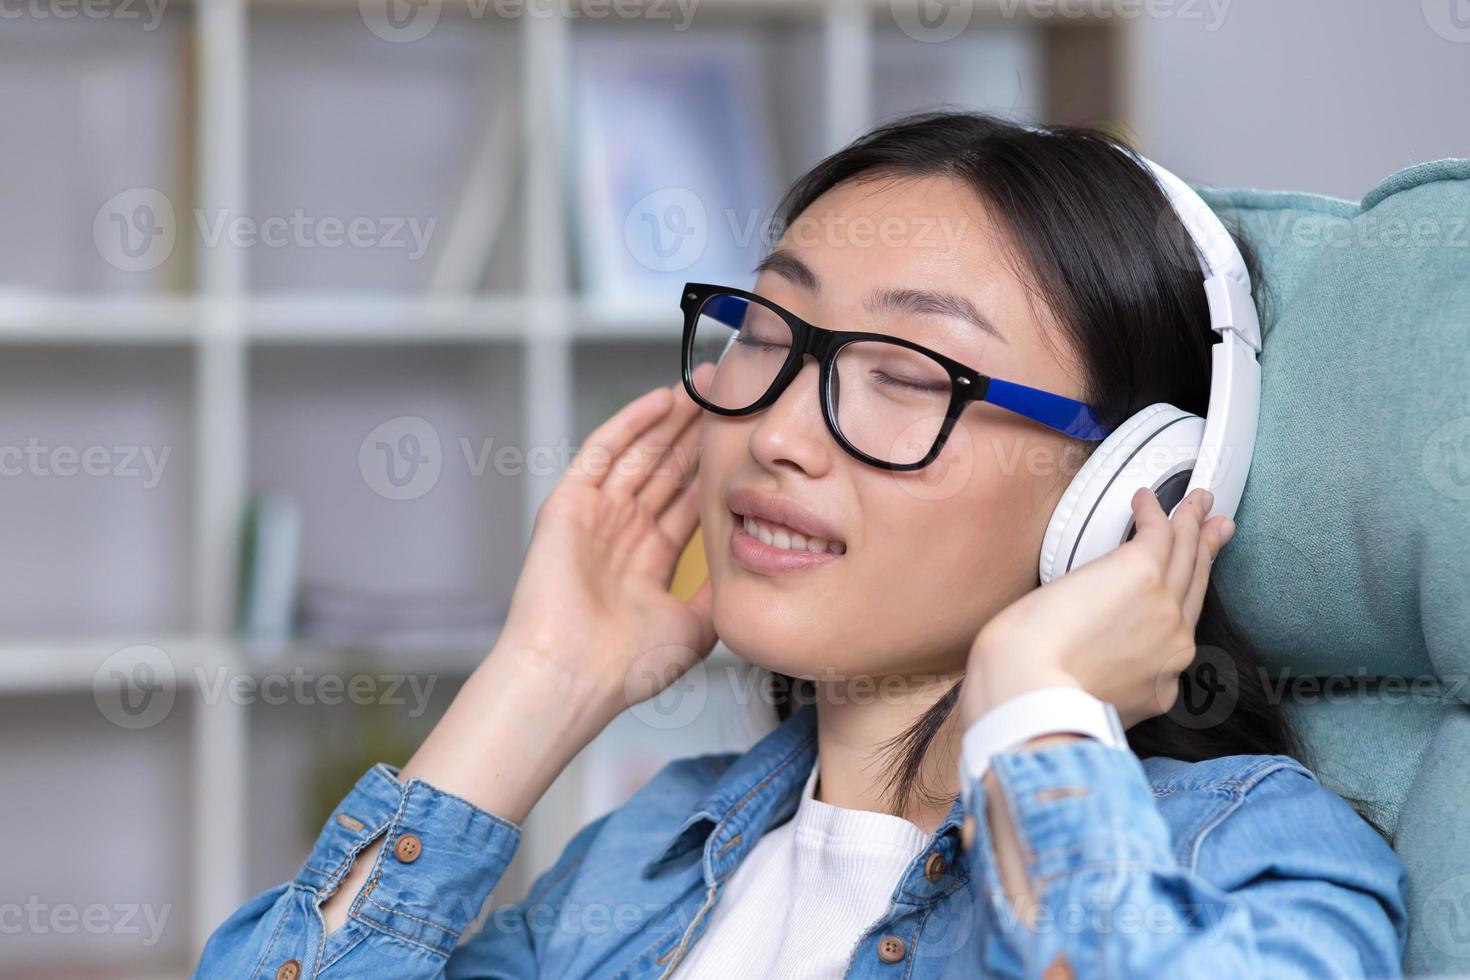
column 883, row 378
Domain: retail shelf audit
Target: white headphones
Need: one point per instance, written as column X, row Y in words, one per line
column 1162, row 447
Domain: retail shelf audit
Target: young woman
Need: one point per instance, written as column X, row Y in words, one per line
column 897, row 608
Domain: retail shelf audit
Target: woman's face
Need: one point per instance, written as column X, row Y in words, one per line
column 927, row 555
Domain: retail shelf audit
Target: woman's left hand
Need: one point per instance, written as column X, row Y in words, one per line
column 1120, row 627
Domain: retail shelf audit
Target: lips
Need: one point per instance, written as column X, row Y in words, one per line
column 784, row 523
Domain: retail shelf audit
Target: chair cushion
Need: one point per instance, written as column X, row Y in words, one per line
column 1352, row 558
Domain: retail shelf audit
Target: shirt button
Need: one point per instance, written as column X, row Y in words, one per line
column 967, row 830
column 934, row 867
column 289, row 970
column 408, row 848
column 891, row 949
column 1058, row 969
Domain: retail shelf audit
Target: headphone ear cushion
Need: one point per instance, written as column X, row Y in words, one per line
column 1098, row 475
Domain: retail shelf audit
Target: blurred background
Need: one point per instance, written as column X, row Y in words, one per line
column 305, row 305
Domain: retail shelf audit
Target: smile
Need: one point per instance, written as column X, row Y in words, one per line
column 787, row 539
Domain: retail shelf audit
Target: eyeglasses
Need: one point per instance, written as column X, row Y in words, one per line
column 886, row 400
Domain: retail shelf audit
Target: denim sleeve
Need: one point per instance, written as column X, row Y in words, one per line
column 440, row 860
column 1283, row 878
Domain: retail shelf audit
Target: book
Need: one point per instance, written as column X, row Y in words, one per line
column 675, row 164
column 270, row 570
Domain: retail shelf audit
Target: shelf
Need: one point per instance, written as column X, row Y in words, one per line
column 71, row 666
column 32, row 317
column 313, row 318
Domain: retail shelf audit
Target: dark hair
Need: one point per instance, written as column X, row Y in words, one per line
column 1111, row 258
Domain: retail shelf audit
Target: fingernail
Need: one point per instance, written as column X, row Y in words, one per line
column 1208, row 499
column 1227, row 530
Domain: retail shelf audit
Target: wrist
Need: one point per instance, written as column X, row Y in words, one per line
column 551, row 697
column 510, row 731
column 994, row 679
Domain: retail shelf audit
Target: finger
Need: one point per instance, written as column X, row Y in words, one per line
column 675, row 470
column 1185, row 521
column 1152, row 536
column 1211, row 541
column 681, row 515
column 593, row 460
column 632, row 468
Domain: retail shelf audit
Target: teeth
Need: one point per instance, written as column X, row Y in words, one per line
column 781, row 537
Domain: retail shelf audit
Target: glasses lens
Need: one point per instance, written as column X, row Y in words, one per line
column 746, row 342
column 890, row 401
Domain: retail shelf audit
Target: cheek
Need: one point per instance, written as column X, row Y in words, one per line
column 952, row 548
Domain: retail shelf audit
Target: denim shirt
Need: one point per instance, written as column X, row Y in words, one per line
column 1243, row 866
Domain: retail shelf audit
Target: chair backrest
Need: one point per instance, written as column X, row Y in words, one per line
column 1352, row 559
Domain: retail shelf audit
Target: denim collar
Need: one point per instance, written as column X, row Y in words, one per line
column 757, row 791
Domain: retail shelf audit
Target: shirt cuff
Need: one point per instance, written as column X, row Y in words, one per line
column 1079, row 804
column 440, row 859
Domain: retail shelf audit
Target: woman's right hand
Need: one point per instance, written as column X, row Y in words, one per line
column 592, row 602
column 592, row 627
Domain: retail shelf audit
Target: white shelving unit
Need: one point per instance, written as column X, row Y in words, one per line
column 249, row 353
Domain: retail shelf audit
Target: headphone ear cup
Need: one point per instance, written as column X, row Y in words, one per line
column 1095, row 513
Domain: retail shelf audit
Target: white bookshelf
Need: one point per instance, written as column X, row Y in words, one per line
column 249, row 364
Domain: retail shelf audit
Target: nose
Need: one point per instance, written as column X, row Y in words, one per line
column 790, row 432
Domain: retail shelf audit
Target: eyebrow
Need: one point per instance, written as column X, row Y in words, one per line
column 890, row 300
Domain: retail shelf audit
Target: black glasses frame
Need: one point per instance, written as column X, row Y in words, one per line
column 967, row 385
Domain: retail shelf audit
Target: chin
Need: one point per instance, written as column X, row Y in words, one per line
column 772, row 637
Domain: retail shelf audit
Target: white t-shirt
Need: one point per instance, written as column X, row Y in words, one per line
column 805, row 894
